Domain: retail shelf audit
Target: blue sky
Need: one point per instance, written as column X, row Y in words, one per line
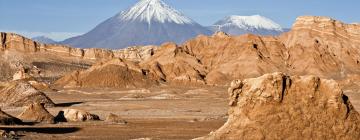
column 60, row 19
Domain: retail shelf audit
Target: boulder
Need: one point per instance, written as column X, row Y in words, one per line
column 277, row 106
column 75, row 115
column 112, row 118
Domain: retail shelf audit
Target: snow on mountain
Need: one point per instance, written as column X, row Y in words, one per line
column 256, row 24
column 148, row 22
column 154, row 10
column 44, row 39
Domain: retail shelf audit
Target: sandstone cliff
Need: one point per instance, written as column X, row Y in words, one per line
column 11, row 41
column 277, row 106
column 323, row 46
column 57, row 60
column 230, row 57
column 316, row 45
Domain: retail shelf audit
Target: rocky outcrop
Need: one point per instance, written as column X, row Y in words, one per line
column 137, row 54
column 20, row 93
column 323, row 46
column 316, row 45
column 14, row 42
column 37, row 113
column 6, row 119
column 173, row 65
column 277, row 106
column 230, row 57
column 116, row 73
column 75, row 115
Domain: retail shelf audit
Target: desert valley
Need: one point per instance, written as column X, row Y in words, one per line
column 299, row 84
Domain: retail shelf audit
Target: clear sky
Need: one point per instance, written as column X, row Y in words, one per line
column 60, row 19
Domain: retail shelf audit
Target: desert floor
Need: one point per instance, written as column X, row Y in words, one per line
column 156, row 113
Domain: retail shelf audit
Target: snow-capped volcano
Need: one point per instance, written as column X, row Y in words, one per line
column 148, row 22
column 256, row 24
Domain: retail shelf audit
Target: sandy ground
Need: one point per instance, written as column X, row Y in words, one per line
column 155, row 113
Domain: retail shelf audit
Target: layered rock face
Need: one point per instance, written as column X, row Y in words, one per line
column 56, row 60
column 20, row 93
column 227, row 57
column 323, row 46
column 137, row 53
column 10, row 41
column 277, row 106
column 116, row 73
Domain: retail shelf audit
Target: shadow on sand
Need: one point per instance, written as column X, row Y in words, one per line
column 67, row 104
column 44, row 130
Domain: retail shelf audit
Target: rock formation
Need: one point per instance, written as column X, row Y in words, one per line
column 230, row 57
column 6, row 119
column 315, row 45
column 116, row 73
column 138, row 53
column 172, row 64
column 20, row 93
column 277, row 106
column 112, row 118
column 53, row 60
column 75, row 115
column 323, row 46
column 37, row 113
column 14, row 42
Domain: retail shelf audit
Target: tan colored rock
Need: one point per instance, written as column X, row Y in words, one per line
column 323, row 46
column 21, row 93
column 76, row 115
column 20, row 75
column 231, row 57
column 116, row 73
column 138, row 53
column 15, row 42
column 172, row 64
column 36, row 113
column 112, row 118
column 94, row 53
column 277, row 106
column 6, row 119
column 39, row 85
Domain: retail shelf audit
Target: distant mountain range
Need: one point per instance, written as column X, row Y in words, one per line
column 44, row 39
column 153, row 22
